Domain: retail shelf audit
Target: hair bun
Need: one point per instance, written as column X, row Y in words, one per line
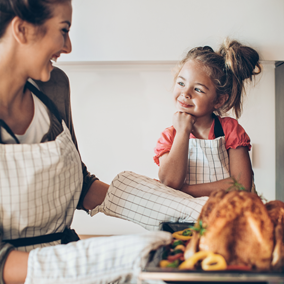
column 240, row 59
column 208, row 48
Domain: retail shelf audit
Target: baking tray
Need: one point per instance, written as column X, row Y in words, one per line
column 152, row 270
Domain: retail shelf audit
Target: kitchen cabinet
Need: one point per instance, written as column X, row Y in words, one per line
column 163, row 30
column 279, row 121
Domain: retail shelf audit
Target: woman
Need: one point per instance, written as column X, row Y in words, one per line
column 42, row 178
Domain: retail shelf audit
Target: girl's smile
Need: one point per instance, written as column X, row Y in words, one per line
column 184, row 105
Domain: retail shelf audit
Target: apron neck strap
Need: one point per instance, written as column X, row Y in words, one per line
column 8, row 129
column 218, row 130
column 45, row 99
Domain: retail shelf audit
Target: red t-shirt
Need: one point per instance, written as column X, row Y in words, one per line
column 235, row 136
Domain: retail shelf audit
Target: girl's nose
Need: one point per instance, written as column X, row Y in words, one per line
column 186, row 95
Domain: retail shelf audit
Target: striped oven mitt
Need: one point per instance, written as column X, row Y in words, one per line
column 148, row 202
column 102, row 260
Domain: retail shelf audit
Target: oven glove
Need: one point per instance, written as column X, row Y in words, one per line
column 148, row 202
column 96, row 260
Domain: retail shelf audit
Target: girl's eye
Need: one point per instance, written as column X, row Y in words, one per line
column 181, row 84
column 198, row 90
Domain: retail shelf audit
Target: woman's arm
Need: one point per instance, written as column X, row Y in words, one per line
column 173, row 165
column 95, row 195
column 240, row 169
column 15, row 268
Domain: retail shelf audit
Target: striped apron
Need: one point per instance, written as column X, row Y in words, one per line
column 40, row 186
column 208, row 160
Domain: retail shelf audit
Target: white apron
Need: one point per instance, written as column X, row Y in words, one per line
column 208, row 160
column 40, row 186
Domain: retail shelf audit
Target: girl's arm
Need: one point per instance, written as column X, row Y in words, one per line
column 15, row 268
column 240, row 168
column 173, row 165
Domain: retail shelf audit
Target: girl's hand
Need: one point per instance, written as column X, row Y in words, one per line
column 183, row 121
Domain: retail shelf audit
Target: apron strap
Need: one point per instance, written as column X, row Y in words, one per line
column 69, row 235
column 45, row 99
column 218, row 130
column 8, row 129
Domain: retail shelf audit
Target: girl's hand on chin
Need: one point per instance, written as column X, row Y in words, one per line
column 183, row 121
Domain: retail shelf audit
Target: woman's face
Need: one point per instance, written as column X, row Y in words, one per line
column 47, row 47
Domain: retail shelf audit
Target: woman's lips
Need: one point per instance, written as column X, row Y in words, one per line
column 184, row 105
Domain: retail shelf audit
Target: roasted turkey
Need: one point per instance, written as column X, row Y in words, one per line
column 244, row 230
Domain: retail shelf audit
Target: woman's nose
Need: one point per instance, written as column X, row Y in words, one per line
column 67, row 46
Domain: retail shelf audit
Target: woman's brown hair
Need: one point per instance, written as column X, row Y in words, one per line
column 228, row 68
column 36, row 12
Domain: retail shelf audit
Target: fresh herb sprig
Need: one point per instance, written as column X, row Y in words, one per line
column 236, row 186
column 199, row 228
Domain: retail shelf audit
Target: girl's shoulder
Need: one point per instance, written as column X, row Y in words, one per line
column 164, row 143
column 235, row 135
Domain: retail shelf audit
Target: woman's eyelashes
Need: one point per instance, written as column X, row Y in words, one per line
column 65, row 31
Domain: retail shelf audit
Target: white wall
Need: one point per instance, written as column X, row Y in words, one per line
column 158, row 30
column 119, row 111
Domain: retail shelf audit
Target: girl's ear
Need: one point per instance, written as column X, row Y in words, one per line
column 221, row 101
column 20, row 30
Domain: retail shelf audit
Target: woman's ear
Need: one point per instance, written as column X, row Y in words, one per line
column 20, row 30
column 221, row 101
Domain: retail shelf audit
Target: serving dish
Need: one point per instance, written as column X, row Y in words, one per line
column 152, row 270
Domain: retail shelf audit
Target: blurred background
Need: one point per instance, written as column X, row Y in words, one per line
column 120, row 73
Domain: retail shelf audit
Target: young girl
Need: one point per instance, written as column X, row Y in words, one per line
column 203, row 151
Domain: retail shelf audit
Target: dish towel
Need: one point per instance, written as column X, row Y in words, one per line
column 101, row 260
column 148, row 202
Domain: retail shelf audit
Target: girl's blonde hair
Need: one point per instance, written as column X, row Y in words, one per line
column 228, row 68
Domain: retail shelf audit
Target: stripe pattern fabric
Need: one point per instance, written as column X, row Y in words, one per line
column 148, row 202
column 40, row 185
column 208, row 161
column 116, row 259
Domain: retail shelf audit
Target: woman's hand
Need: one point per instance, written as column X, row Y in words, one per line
column 183, row 122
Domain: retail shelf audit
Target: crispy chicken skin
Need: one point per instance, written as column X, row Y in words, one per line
column 238, row 227
column 276, row 212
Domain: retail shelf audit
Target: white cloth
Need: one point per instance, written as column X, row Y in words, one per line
column 148, row 202
column 208, row 161
column 40, row 185
column 97, row 260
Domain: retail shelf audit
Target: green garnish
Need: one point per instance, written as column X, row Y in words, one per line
column 236, row 186
column 187, row 232
column 173, row 264
column 176, row 243
column 199, row 228
column 176, row 251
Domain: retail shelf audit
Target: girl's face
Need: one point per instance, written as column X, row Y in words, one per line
column 194, row 91
column 47, row 47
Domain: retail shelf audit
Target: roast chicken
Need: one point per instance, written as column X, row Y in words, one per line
column 244, row 230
